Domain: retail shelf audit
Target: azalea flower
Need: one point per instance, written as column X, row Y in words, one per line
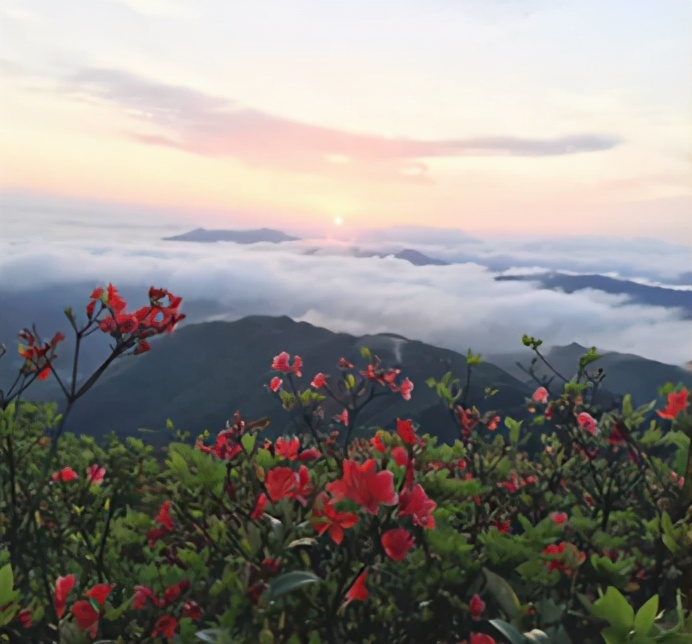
column 95, row 474
column 164, row 516
column 287, row 448
column 259, row 506
column 85, row 613
column 540, row 396
column 558, row 518
column 63, row 587
column 143, row 596
column 480, row 638
column 677, row 403
column 364, row 485
column 358, row 591
column 275, row 384
column 282, row 363
column 165, row 627
column 587, row 422
column 406, row 432
column 64, row 475
column 326, row 518
column 406, row 387
column 283, row 482
column 476, row 606
column 416, row 504
column 377, row 443
column 396, row 543
column 319, row 381
column 400, row 456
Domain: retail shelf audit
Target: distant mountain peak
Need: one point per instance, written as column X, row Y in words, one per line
column 254, row 236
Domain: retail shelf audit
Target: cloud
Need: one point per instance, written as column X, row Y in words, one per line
column 196, row 122
column 456, row 306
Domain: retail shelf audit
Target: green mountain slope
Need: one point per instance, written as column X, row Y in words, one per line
column 202, row 373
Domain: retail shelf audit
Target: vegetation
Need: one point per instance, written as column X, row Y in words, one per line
column 573, row 527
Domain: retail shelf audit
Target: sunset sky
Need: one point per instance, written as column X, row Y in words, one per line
column 493, row 116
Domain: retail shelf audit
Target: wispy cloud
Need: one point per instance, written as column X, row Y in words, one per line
column 196, row 122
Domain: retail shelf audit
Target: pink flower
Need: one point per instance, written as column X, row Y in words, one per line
column 95, row 474
column 588, row 423
column 540, row 396
column 342, row 417
column 406, row 387
column 476, row 606
column 275, row 384
column 319, row 381
column 282, row 363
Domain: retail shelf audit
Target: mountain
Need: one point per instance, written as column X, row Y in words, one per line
column 635, row 292
column 419, row 259
column 625, row 373
column 202, row 373
column 203, row 235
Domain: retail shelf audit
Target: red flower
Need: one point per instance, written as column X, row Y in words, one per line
column 165, row 627
column 25, row 616
column 480, row 638
column 282, row 363
column 677, row 402
column 164, row 516
column 275, row 383
column 95, row 474
column 358, row 591
column 364, row 485
column 143, row 596
column 86, row 616
column 63, row 587
column 406, row 387
column 259, row 506
column 287, row 449
column 327, row 518
column 406, row 432
column 400, row 456
column 171, row 594
column 476, row 606
column 309, row 454
column 319, row 381
column 64, row 475
column 84, row 611
column 540, row 395
column 283, row 482
column 376, row 442
column 192, row 610
column 342, row 417
column 492, row 425
column 396, row 543
column 415, row 503
column 558, row 518
column 100, row 593
column 587, row 422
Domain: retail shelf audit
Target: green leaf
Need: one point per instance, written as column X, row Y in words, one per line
column 6, row 584
column 645, row 617
column 365, row 352
column 503, row 593
column 289, row 582
column 511, row 633
column 248, row 442
column 615, row 609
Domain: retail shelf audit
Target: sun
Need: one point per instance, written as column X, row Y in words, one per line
column 338, row 221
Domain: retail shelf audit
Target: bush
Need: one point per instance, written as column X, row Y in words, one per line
column 575, row 529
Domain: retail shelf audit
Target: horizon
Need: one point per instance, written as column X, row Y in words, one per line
column 311, row 116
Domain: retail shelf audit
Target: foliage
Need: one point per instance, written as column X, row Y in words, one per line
column 576, row 528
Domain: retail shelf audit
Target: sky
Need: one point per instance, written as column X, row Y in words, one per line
column 497, row 117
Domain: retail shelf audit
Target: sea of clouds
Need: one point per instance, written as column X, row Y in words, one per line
column 320, row 281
